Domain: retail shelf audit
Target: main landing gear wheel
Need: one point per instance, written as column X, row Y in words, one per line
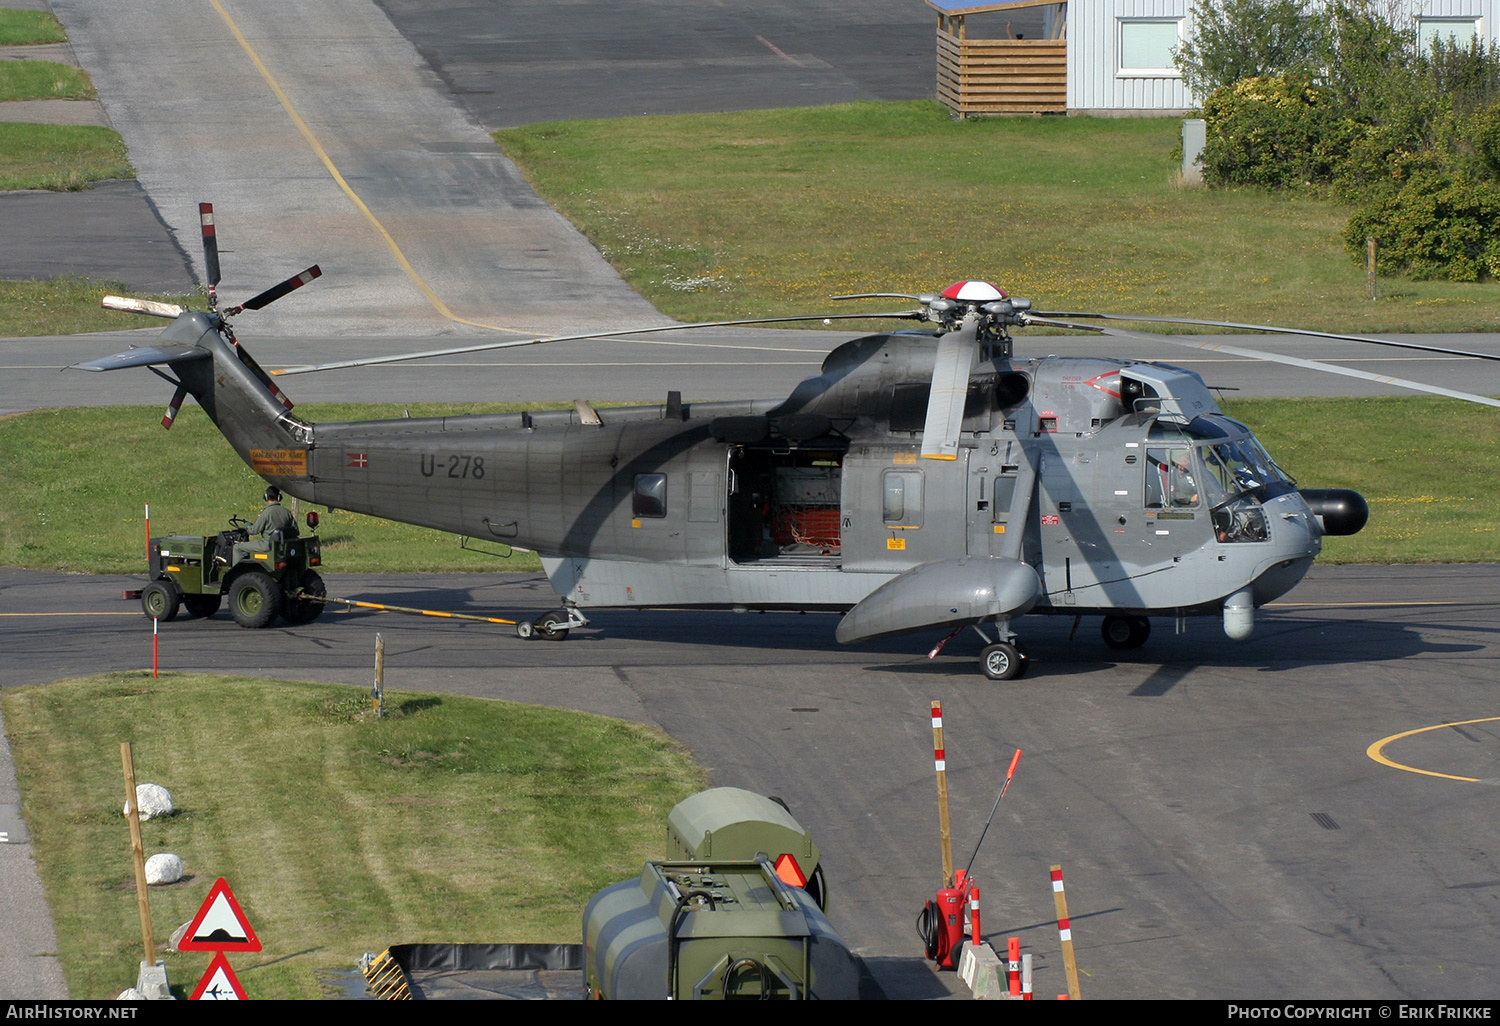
column 1125, row 631
column 1002, row 661
column 254, row 599
column 160, row 600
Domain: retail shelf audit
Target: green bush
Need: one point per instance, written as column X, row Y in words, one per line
column 1486, row 138
column 1276, row 131
column 1438, row 224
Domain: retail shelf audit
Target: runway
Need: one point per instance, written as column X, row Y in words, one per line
column 1222, row 830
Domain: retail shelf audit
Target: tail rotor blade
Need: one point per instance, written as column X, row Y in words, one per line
column 950, row 390
column 173, row 407
column 275, row 292
column 210, row 243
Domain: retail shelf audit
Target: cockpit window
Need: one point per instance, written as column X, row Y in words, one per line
column 1171, row 478
column 1231, row 461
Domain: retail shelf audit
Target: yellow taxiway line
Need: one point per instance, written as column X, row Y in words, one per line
column 80, row 612
column 1374, row 751
column 317, row 148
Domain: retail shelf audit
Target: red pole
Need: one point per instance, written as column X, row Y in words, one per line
column 153, row 646
column 1013, row 970
column 148, row 532
column 974, row 933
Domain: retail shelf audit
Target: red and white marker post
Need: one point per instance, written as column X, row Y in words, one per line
column 1065, row 932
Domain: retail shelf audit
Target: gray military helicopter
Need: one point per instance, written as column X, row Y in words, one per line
column 925, row 479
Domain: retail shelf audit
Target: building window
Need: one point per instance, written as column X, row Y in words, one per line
column 1146, row 46
column 1453, row 31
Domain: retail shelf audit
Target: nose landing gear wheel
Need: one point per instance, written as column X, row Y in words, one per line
column 1002, row 661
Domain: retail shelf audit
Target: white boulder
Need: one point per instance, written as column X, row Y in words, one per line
column 164, row 868
column 153, row 800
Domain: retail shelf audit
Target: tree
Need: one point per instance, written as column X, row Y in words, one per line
column 1239, row 39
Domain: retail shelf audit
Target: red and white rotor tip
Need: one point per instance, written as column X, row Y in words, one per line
column 973, row 292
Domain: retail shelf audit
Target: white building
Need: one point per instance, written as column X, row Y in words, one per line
column 1118, row 52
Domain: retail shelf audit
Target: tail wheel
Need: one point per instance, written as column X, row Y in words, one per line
column 1002, row 661
column 160, row 600
column 551, row 626
column 303, row 609
column 254, row 599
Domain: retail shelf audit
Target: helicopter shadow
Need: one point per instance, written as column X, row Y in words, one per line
column 1282, row 642
column 1286, row 644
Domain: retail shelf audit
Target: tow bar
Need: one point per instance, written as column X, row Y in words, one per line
column 550, row 626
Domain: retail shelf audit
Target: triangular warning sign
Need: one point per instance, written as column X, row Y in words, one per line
column 219, row 983
column 220, row 925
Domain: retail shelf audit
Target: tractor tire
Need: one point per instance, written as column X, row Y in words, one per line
column 160, row 600
column 200, row 606
column 254, row 599
column 298, row 611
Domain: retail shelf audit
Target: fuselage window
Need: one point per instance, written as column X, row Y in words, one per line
column 1005, row 494
column 902, row 502
column 650, row 496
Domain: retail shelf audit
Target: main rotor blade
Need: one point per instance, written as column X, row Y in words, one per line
column 210, row 242
column 275, row 292
column 878, row 295
column 950, row 390
column 171, row 311
column 1276, row 330
column 514, row 343
column 1256, row 354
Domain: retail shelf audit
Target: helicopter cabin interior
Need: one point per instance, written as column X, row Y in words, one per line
column 784, row 503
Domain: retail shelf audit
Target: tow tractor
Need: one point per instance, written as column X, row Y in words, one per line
column 274, row 577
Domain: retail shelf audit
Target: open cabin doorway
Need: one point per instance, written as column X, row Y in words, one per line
column 784, row 505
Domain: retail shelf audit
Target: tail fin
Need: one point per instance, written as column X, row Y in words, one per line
column 232, row 389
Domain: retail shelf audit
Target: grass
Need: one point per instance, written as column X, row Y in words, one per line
column 62, row 306
column 770, row 212
column 72, row 502
column 43, row 80
column 1426, row 466
column 28, row 28
column 452, row 820
column 63, row 158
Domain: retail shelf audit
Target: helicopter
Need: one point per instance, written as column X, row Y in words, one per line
column 925, row 479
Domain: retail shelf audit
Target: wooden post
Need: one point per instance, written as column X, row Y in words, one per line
column 377, row 695
column 142, row 899
column 1370, row 264
column 1065, row 931
column 940, row 760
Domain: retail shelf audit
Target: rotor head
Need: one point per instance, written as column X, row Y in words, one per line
column 995, row 309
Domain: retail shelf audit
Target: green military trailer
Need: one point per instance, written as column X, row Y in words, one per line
column 714, row 930
column 263, row 579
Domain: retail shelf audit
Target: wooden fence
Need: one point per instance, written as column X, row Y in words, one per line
column 1002, row 76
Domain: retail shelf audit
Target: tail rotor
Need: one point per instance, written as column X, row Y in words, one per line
column 218, row 318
